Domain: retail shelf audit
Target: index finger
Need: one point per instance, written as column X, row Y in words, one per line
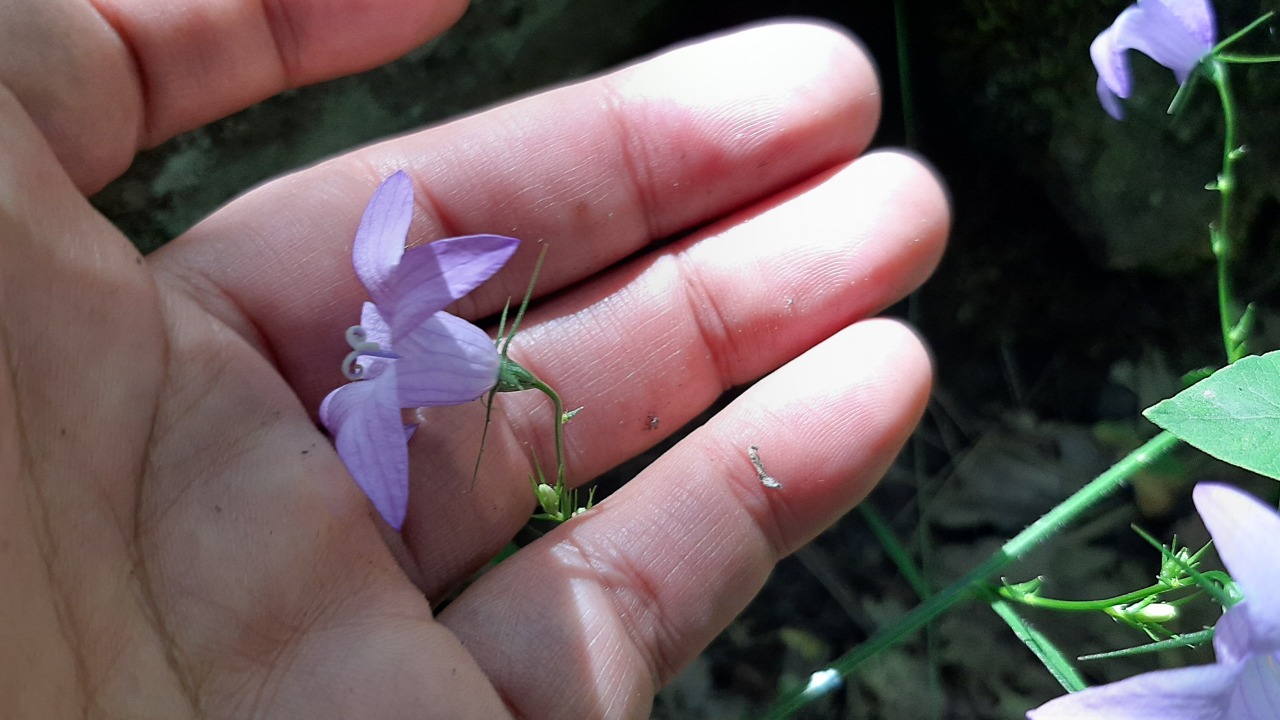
column 104, row 78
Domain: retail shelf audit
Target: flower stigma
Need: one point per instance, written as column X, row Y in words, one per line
column 358, row 339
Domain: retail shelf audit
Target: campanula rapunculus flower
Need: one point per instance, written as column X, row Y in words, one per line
column 1175, row 33
column 1244, row 683
column 406, row 352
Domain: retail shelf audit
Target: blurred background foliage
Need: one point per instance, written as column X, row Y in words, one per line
column 1077, row 288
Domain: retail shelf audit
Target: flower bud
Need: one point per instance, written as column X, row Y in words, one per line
column 1155, row 613
column 548, row 498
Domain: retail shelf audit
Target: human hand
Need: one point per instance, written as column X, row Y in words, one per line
column 178, row 539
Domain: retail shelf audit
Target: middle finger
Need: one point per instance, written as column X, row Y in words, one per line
column 663, row 336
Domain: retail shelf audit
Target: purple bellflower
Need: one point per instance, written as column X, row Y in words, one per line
column 1244, row 683
column 1175, row 33
column 406, row 352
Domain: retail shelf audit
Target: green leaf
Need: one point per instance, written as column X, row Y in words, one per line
column 1233, row 415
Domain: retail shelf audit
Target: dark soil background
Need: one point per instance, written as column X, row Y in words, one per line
column 1076, row 291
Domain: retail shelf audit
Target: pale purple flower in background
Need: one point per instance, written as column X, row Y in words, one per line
column 1175, row 33
column 1244, row 683
column 406, row 352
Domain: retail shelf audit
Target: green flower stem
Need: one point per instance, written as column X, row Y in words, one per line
column 1089, row 495
column 973, row 582
column 1220, row 235
column 897, row 552
column 904, row 74
column 1085, row 605
column 537, row 384
column 1056, row 661
column 1235, row 321
column 1247, row 59
column 1241, row 33
column 1183, row 640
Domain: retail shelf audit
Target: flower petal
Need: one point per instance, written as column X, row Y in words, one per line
column 1197, row 17
column 1193, row 693
column 379, row 242
column 1110, row 61
column 432, row 276
column 1246, row 533
column 1170, row 38
column 1257, row 694
column 364, row 419
column 375, row 327
column 1232, row 636
column 445, row 361
column 1175, row 33
column 1110, row 102
column 1156, row 30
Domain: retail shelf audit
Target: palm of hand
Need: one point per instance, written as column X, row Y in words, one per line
column 179, row 540
column 167, row 555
